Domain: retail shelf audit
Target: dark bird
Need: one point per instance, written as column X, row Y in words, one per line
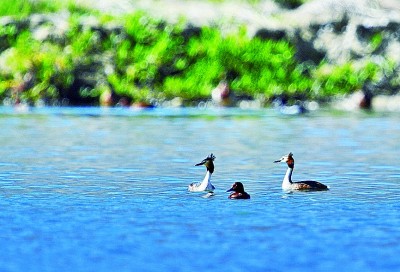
column 238, row 191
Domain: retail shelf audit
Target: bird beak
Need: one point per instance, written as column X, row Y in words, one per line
column 230, row 190
column 200, row 163
column 277, row 161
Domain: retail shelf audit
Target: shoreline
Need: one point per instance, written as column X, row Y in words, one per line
column 382, row 104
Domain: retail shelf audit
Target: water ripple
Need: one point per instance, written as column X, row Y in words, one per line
column 107, row 189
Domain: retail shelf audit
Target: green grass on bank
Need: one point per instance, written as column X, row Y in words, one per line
column 148, row 60
column 23, row 8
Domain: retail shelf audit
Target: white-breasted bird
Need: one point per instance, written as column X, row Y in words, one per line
column 306, row 185
column 205, row 185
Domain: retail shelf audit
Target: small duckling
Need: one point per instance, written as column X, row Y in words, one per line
column 238, row 191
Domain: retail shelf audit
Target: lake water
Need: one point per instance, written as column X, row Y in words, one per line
column 106, row 190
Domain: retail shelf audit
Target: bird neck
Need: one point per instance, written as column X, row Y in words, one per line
column 206, row 179
column 288, row 176
column 210, row 167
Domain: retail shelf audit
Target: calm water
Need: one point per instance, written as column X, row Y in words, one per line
column 106, row 190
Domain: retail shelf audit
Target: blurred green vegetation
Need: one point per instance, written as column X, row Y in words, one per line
column 22, row 8
column 147, row 60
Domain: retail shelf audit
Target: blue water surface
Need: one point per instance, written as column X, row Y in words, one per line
column 91, row 189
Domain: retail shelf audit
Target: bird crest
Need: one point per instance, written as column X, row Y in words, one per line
column 211, row 157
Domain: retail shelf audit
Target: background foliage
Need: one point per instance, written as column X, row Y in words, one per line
column 147, row 60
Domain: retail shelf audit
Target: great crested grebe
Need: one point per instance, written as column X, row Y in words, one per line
column 288, row 184
column 238, row 191
column 205, row 185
